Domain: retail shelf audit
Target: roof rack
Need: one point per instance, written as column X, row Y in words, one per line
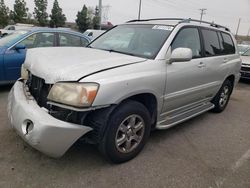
column 183, row 20
column 154, row 19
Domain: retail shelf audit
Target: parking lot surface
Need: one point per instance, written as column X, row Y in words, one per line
column 212, row 150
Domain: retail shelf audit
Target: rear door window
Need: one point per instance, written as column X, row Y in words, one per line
column 85, row 42
column 69, row 40
column 188, row 38
column 211, row 42
column 227, row 44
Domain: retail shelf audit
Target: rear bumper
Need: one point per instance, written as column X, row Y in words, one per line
column 38, row 128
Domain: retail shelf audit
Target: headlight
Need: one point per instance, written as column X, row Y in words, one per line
column 73, row 94
column 24, row 73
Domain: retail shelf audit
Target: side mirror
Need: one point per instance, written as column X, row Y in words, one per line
column 181, row 54
column 20, row 47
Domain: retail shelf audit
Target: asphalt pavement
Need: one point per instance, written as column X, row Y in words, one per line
column 209, row 151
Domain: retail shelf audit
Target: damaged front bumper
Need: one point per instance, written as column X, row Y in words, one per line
column 39, row 129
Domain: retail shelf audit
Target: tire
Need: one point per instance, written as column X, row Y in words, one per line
column 222, row 97
column 127, row 132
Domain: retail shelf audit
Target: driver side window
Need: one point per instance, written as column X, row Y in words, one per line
column 188, row 38
column 39, row 40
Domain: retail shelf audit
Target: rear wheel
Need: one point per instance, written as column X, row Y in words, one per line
column 127, row 132
column 222, row 98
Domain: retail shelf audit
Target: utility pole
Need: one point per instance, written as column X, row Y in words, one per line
column 139, row 14
column 238, row 27
column 248, row 33
column 203, row 12
column 100, row 13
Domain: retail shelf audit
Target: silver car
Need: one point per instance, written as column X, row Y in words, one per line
column 140, row 76
column 245, row 68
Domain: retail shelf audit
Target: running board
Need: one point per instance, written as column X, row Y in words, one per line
column 175, row 119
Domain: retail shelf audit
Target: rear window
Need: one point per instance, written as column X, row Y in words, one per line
column 227, row 44
column 211, row 42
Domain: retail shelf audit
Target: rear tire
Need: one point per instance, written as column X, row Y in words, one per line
column 127, row 132
column 222, row 97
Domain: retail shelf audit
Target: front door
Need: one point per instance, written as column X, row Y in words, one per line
column 185, row 84
column 13, row 59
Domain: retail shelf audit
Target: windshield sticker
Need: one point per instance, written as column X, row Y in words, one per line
column 163, row 27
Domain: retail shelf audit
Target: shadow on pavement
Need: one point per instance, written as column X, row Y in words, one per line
column 5, row 88
column 245, row 81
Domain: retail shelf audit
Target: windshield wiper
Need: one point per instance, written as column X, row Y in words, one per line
column 116, row 51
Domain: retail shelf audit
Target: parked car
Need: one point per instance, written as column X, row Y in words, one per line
column 245, row 68
column 243, row 48
column 12, row 28
column 13, row 48
column 93, row 33
column 139, row 76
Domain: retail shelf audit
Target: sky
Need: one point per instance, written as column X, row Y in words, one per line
column 223, row 12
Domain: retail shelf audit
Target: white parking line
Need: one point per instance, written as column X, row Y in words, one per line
column 239, row 163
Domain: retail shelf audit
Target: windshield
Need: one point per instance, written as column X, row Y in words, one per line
column 11, row 38
column 137, row 40
column 247, row 53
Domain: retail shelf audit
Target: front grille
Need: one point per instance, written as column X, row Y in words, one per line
column 247, row 69
column 39, row 90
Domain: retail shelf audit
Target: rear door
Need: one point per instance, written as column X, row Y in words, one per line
column 215, row 60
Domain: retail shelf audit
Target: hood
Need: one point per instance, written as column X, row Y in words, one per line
column 245, row 60
column 73, row 63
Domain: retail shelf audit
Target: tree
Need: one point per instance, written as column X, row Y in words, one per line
column 4, row 14
column 20, row 11
column 96, row 19
column 40, row 12
column 83, row 21
column 57, row 18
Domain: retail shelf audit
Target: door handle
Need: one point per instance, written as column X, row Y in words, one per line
column 225, row 60
column 201, row 65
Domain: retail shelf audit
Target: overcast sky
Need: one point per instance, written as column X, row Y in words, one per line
column 224, row 12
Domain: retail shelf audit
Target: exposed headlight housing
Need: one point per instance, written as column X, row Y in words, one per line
column 73, row 94
column 24, row 73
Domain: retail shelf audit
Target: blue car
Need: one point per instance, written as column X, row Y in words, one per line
column 13, row 48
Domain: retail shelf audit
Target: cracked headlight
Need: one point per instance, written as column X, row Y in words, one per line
column 73, row 94
column 24, row 73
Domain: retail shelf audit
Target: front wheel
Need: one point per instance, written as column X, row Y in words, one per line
column 127, row 132
column 222, row 97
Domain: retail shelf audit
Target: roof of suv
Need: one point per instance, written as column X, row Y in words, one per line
column 176, row 21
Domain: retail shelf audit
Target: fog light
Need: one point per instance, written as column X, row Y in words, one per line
column 27, row 127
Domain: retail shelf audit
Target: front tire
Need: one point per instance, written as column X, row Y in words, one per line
column 222, row 97
column 127, row 132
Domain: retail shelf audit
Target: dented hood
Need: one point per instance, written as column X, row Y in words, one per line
column 73, row 63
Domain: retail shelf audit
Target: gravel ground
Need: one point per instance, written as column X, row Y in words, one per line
column 212, row 150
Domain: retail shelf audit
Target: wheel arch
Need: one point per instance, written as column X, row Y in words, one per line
column 149, row 100
column 231, row 78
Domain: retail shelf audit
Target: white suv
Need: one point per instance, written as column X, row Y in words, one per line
column 137, row 77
